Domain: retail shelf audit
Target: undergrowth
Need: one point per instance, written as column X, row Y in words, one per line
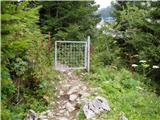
column 35, row 96
column 126, row 92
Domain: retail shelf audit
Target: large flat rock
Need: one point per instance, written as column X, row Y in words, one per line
column 96, row 106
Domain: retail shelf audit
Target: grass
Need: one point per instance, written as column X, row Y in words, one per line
column 126, row 92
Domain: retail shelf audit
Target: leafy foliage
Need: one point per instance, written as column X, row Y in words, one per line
column 139, row 26
column 130, row 43
column 106, row 51
column 25, row 65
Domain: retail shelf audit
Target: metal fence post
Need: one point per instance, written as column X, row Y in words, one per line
column 86, row 55
column 88, row 51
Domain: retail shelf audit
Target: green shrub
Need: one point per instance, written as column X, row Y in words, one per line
column 106, row 52
column 26, row 67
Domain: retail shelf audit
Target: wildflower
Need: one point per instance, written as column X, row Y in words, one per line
column 142, row 61
column 155, row 67
column 158, row 21
column 33, row 61
column 148, row 20
column 148, row 4
column 134, row 65
column 143, row 4
column 135, row 55
column 113, row 35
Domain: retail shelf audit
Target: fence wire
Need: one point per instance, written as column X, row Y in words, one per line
column 70, row 55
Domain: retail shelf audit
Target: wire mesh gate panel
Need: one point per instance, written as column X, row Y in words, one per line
column 72, row 55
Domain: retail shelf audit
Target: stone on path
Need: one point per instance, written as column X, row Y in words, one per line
column 63, row 118
column 71, row 94
column 84, row 94
column 31, row 115
column 73, row 90
column 84, row 88
column 102, row 103
column 94, row 107
column 123, row 117
column 61, row 92
column 88, row 113
column 73, row 97
column 70, row 107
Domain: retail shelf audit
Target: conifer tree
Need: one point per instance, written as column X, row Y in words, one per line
column 138, row 22
column 72, row 20
column 23, row 57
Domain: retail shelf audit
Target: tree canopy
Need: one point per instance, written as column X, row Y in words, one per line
column 69, row 20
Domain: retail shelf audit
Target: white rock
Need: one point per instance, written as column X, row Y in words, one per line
column 88, row 113
column 70, row 107
column 103, row 103
column 50, row 114
column 73, row 97
column 66, row 114
column 64, row 101
column 84, row 88
column 97, row 89
column 63, row 107
column 60, row 107
column 95, row 106
column 42, row 117
column 123, row 117
column 61, row 92
column 58, row 114
column 69, row 74
column 62, row 111
column 58, row 102
column 73, row 90
column 62, row 118
column 52, row 103
column 84, row 101
column 67, row 86
column 31, row 115
column 85, row 94
column 43, row 114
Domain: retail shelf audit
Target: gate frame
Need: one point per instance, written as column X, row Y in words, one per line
column 87, row 54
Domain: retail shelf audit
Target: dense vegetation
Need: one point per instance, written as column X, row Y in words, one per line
column 26, row 69
column 139, row 26
column 125, row 56
column 125, row 62
column 126, row 93
column 71, row 20
column 26, row 52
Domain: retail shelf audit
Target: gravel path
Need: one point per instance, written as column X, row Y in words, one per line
column 71, row 94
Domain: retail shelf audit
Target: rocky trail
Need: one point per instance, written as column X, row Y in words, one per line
column 71, row 93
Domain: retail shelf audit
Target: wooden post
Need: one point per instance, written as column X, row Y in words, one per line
column 49, row 42
column 88, row 46
column 55, row 54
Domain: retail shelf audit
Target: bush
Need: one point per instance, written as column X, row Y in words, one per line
column 26, row 68
column 106, row 51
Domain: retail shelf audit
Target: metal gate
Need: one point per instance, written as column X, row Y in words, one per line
column 71, row 55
